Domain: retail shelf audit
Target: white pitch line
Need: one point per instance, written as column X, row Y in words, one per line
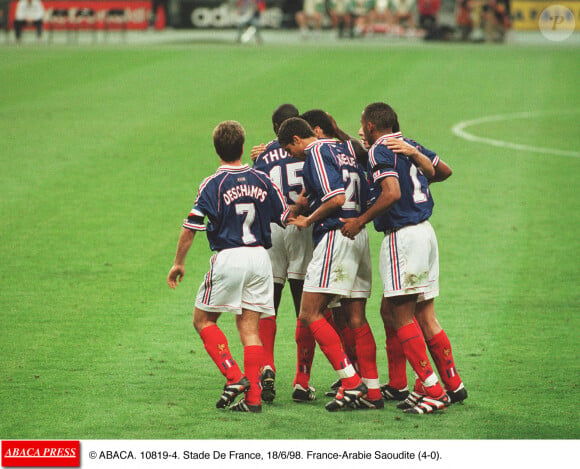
column 459, row 130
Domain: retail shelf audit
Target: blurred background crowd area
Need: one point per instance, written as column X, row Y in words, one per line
column 446, row 20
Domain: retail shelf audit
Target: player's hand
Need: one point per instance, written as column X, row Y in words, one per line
column 257, row 150
column 352, row 227
column 300, row 221
column 302, row 201
column 398, row 145
column 175, row 275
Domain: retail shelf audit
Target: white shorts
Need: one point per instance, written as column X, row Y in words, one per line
column 341, row 266
column 339, row 7
column 290, row 253
column 238, row 278
column 381, row 6
column 409, row 262
column 313, row 7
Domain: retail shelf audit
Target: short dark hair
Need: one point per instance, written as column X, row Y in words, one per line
column 228, row 140
column 283, row 112
column 382, row 116
column 319, row 118
column 291, row 127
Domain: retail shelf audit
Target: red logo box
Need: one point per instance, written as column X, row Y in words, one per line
column 41, row 454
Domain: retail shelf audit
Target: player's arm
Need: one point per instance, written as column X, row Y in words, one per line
column 390, row 193
column 398, row 145
column 300, row 206
column 257, row 151
column 442, row 172
column 177, row 272
column 327, row 208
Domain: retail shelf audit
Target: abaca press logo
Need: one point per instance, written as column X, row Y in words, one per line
column 40, row 453
column 557, row 23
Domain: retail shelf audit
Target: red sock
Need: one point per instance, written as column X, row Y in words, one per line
column 413, row 344
column 366, row 350
column 396, row 359
column 305, row 346
column 329, row 316
column 253, row 360
column 330, row 345
column 440, row 349
column 216, row 345
column 350, row 347
column 268, row 336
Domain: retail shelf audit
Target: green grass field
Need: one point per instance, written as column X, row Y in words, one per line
column 102, row 151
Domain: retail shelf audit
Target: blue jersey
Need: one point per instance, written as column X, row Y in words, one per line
column 428, row 153
column 239, row 203
column 416, row 203
column 331, row 169
column 284, row 170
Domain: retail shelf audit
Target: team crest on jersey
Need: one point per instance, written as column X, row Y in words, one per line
column 423, row 363
column 446, row 352
column 221, row 347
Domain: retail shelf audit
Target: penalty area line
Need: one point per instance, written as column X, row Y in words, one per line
column 459, row 130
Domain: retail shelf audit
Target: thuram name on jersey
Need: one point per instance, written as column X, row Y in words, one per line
column 276, row 154
column 244, row 190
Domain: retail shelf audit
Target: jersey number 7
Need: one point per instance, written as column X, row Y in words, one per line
column 250, row 211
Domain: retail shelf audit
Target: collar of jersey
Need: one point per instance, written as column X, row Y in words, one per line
column 382, row 138
column 321, row 141
column 234, row 169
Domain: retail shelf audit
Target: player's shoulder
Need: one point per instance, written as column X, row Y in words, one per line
column 422, row 148
column 380, row 149
column 207, row 181
column 260, row 176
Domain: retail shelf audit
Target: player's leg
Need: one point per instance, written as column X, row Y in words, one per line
column 278, row 255
column 217, row 347
column 38, row 26
column 396, row 389
column 411, row 338
column 268, row 329
column 305, row 348
column 440, row 350
column 248, row 324
column 311, row 314
column 366, row 349
column 18, row 25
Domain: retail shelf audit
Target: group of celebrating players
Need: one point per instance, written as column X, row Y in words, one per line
column 299, row 215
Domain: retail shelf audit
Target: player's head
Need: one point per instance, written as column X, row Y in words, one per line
column 228, row 140
column 281, row 113
column 320, row 122
column 294, row 135
column 378, row 119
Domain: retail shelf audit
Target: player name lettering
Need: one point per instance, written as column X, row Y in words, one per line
column 275, row 155
column 346, row 159
column 244, row 190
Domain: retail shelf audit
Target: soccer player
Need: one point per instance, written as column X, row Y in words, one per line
column 325, row 127
column 408, row 257
column 290, row 254
column 239, row 203
column 340, row 267
column 437, row 341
